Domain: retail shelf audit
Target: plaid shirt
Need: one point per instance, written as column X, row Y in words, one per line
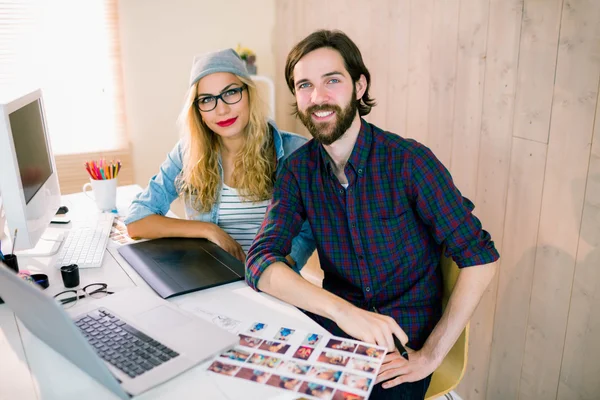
column 380, row 239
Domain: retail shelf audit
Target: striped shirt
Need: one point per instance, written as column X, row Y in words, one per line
column 239, row 218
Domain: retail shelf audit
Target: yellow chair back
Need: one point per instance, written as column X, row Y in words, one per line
column 447, row 376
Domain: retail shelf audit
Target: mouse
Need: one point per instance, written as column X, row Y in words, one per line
column 62, row 210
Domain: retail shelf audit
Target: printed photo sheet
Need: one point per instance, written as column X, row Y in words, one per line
column 312, row 365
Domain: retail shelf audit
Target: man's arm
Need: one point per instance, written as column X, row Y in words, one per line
column 441, row 206
column 266, row 270
column 280, row 281
column 465, row 297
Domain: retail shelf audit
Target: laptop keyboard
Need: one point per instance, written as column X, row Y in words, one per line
column 121, row 345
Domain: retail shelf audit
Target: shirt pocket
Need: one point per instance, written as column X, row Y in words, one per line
column 393, row 232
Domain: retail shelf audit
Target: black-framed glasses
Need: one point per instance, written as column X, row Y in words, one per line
column 69, row 298
column 230, row 96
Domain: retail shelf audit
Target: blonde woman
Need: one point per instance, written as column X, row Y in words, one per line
column 223, row 167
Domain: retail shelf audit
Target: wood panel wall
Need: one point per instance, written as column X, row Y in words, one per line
column 505, row 92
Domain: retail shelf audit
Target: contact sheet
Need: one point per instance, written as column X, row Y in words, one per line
column 313, row 365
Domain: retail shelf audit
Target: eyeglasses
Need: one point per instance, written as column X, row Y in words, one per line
column 69, row 298
column 230, row 96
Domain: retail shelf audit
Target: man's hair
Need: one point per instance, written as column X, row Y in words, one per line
column 353, row 61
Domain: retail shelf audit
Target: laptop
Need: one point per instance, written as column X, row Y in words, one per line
column 129, row 342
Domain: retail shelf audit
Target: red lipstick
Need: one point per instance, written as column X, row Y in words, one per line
column 227, row 122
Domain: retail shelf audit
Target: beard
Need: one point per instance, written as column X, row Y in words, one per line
column 327, row 133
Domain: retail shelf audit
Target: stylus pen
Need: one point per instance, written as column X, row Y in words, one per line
column 397, row 342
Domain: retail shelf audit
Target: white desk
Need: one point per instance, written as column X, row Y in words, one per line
column 29, row 369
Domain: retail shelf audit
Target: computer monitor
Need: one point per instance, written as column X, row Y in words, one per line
column 28, row 178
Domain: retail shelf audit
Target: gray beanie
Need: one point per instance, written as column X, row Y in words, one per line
column 217, row 61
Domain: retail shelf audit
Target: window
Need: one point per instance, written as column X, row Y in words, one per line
column 70, row 49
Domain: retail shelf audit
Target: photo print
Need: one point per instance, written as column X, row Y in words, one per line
column 236, row 354
column 267, row 361
column 249, row 341
column 294, row 367
column 325, row 373
column 257, row 327
column 222, row 368
column 312, row 339
column 342, row 345
column 316, row 389
column 284, row 334
column 303, row 353
column 354, row 381
column 341, row 395
column 253, row 375
column 370, row 351
column 284, row 382
column 274, row 347
column 363, row 365
column 333, row 358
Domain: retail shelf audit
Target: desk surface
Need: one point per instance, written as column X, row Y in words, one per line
column 29, row 369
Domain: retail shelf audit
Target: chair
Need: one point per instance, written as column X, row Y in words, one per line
column 447, row 376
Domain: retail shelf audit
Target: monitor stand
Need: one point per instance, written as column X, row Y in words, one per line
column 47, row 246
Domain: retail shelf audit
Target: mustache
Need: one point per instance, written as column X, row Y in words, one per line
column 323, row 107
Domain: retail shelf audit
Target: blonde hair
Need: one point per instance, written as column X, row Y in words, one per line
column 254, row 165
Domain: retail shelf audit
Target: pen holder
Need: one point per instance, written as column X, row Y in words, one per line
column 104, row 193
column 11, row 262
column 70, row 275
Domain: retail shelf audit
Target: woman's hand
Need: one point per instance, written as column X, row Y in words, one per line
column 219, row 237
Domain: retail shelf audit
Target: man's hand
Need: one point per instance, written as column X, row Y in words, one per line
column 396, row 369
column 369, row 326
column 219, row 237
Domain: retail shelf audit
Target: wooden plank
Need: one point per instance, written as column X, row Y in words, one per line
column 398, row 27
column 515, row 278
column 537, row 65
column 470, row 76
column 443, row 78
column 580, row 368
column 419, row 66
column 285, row 21
column 377, row 48
column 492, row 179
column 571, row 126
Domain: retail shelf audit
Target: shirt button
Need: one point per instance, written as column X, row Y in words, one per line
column 360, row 171
column 341, row 191
column 368, row 289
column 353, row 225
column 360, row 257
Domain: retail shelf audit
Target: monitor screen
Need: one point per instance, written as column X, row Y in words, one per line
column 31, row 149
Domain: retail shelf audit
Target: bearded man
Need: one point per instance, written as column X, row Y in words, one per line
column 382, row 209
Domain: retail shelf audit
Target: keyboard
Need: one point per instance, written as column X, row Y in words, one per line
column 124, row 347
column 86, row 242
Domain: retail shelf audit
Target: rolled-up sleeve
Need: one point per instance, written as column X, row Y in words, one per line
column 161, row 190
column 283, row 221
column 448, row 214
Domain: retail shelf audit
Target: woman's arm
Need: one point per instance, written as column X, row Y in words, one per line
column 157, row 226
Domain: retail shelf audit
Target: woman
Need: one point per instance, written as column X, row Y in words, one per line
column 224, row 165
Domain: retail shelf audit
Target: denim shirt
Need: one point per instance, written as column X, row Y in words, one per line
column 162, row 191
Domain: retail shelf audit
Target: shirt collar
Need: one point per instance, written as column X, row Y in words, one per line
column 360, row 152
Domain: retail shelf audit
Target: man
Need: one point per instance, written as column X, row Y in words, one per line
column 382, row 209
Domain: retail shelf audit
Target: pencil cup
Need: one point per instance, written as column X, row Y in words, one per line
column 11, row 262
column 104, row 193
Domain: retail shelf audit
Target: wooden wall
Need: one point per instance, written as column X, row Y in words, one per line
column 505, row 92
